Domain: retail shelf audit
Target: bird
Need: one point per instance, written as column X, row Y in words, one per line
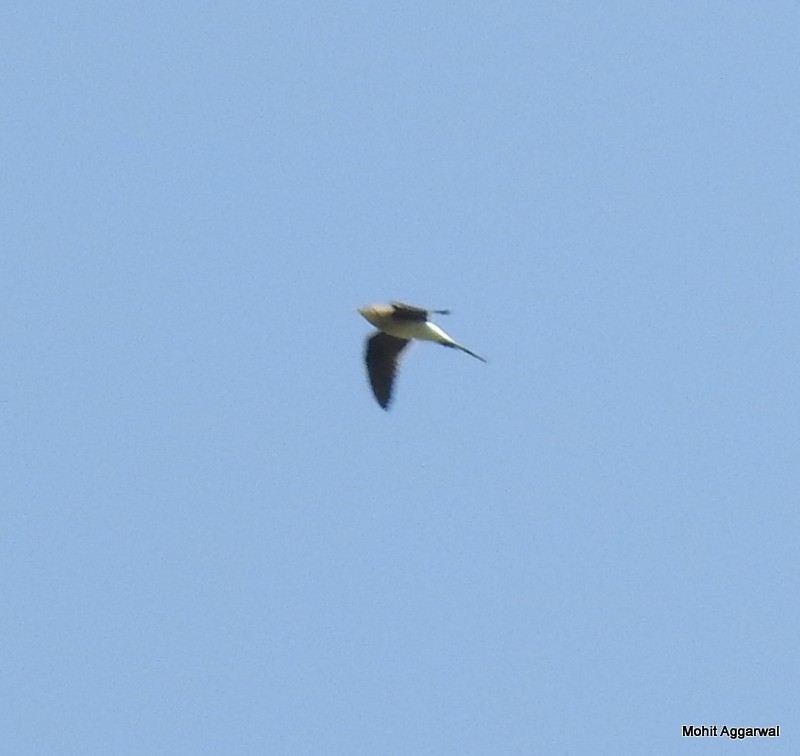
column 397, row 324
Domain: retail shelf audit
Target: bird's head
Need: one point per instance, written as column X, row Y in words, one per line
column 370, row 313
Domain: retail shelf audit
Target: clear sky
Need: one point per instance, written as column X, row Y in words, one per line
column 213, row 539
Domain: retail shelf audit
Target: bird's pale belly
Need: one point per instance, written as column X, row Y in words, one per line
column 410, row 330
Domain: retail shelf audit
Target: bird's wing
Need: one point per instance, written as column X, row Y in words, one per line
column 382, row 356
column 404, row 311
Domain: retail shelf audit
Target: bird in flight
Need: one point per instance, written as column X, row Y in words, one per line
column 397, row 324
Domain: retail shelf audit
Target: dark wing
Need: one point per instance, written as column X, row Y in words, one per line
column 409, row 312
column 382, row 355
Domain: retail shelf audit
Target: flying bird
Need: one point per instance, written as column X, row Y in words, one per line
column 397, row 324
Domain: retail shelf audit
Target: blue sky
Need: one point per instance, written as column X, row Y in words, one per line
column 214, row 541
